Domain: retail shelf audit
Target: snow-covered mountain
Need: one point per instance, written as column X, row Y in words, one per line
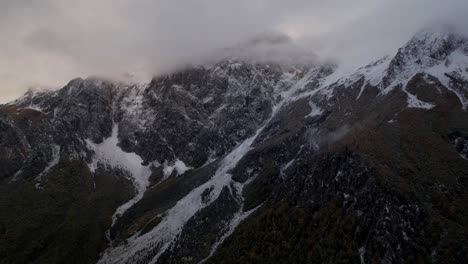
column 245, row 162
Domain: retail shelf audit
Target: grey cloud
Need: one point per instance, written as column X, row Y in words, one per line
column 48, row 42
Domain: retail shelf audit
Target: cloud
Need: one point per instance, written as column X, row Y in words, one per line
column 387, row 27
column 48, row 42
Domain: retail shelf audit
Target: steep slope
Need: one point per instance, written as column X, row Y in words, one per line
column 107, row 129
column 367, row 172
column 243, row 162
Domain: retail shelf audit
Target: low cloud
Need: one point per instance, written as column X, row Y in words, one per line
column 48, row 42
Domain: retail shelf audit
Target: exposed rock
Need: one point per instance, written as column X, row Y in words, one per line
column 247, row 162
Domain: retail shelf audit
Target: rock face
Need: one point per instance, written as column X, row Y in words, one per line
column 244, row 162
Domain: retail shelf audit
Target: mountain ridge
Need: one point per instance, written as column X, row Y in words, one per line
column 224, row 147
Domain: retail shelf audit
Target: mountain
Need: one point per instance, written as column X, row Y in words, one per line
column 245, row 162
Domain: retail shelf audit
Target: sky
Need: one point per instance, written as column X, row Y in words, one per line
column 46, row 43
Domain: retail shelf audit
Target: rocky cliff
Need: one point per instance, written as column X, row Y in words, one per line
column 244, row 162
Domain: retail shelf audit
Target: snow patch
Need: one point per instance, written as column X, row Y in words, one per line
column 168, row 230
column 17, row 174
column 291, row 162
column 177, row 165
column 362, row 253
column 35, row 108
column 175, row 218
column 316, row 111
column 414, row 102
column 235, row 221
column 109, row 153
column 286, row 166
column 372, row 74
column 134, row 110
column 455, row 65
column 207, row 99
column 55, row 160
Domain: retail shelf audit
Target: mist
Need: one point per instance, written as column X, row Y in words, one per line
column 46, row 43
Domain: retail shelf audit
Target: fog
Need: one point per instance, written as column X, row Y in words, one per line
column 46, row 43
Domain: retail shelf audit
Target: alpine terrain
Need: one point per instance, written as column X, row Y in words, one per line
column 241, row 161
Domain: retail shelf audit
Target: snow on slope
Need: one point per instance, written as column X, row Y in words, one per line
column 54, row 161
column 135, row 114
column 316, row 110
column 435, row 52
column 456, row 65
column 109, row 153
column 414, row 102
column 386, row 73
column 175, row 218
column 238, row 217
column 441, row 54
column 372, row 73
column 179, row 166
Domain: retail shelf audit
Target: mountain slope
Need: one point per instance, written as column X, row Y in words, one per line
column 242, row 162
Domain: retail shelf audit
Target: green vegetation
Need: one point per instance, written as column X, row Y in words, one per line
column 286, row 234
column 65, row 221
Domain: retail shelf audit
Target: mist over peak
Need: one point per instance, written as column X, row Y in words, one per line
column 275, row 48
column 51, row 42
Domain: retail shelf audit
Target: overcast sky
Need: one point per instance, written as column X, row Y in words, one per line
column 48, row 42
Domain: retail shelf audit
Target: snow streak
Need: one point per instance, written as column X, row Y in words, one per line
column 109, row 153
column 168, row 230
column 55, row 160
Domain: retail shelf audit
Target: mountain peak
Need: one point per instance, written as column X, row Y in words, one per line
column 435, row 42
column 270, row 48
column 166, row 172
column 428, row 49
column 440, row 31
